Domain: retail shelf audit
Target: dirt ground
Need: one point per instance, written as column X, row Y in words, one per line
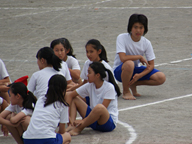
column 163, row 114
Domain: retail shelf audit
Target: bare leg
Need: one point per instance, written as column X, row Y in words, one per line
column 16, row 132
column 79, row 105
column 25, row 123
column 99, row 114
column 127, row 72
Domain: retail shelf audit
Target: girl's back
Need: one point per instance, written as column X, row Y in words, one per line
column 45, row 120
column 38, row 83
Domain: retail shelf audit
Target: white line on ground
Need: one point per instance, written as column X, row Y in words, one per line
column 133, row 134
column 157, row 102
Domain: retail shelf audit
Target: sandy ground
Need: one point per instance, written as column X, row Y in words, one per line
column 163, row 114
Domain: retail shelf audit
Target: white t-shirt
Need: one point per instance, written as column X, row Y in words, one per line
column 45, row 120
column 72, row 63
column 1, row 101
column 3, row 70
column 84, row 71
column 38, row 83
column 16, row 109
column 125, row 44
column 106, row 91
column 65, row 71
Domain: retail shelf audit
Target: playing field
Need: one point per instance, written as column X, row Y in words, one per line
column 163, row 114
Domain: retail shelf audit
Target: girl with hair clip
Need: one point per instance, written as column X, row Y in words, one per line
column 63, row 49
column 95, row 53
column 130, row 50
column 49, row 65
column 16, row 116
column 49, row 111
column 102, row 114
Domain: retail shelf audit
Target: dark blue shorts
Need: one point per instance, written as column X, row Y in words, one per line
column 117, row 73
column 87, row 100
column 107, row 127
column 57, row 140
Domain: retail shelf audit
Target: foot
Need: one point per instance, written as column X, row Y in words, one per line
column 69, row 128
column 128, row 96
column 75, row 131
column 134, row 91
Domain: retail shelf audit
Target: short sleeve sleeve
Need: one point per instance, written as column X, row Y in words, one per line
column 64, row 115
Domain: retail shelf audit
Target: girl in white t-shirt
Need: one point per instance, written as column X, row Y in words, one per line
column 95, row 53
column 63, row 49
column 49, row 111
column 102, row 114
column 16, row 116
column 49, row 65
column 131, row 48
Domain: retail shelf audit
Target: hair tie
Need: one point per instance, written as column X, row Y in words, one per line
column 27, row 91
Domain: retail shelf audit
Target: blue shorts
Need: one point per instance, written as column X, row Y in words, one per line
column 107, row 127
column 87, row 100
column 57, row 140
column 117, row 73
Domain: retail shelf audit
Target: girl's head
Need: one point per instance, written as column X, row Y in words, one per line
column 140, row 19
column 46, row 57
column 97, row 68
column 95, row 51
column 62, row 48
column 21, row 96
column 56, row 90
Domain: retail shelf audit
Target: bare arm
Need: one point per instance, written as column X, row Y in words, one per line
column 75, row 74
column 123, row 57
column 16, row 118
column 146, row 71
column 77, row 86
column 61, row 128
column 106, row 102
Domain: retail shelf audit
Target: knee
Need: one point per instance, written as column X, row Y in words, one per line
column 128, row 66
column 98, row 108
column 161, row 78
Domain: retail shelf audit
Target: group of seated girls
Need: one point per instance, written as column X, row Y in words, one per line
column 39, row 111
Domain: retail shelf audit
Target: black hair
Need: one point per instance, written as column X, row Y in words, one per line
column 29, row 100
column 137, row 18
column 48, row 54
column 100, row 68
column 98, row 46
column 66, row 44
column 56, row 90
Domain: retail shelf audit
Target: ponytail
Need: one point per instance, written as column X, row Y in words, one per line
column 100, row 68
column 48, row 54
column 103, row 54
column 29, row 100
column 98, row 46
column 56, row 62
column 112, row 80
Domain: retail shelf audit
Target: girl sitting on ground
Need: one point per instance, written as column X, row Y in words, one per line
column 102, row 114
column 50, row 110
column 16, row 116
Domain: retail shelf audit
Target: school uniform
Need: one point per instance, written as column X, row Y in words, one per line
column 16, row 109
column 106, row 91
column 72, row 63
column 125, row 44
column 3, row 70
column 44, row 121
column 38, row 83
